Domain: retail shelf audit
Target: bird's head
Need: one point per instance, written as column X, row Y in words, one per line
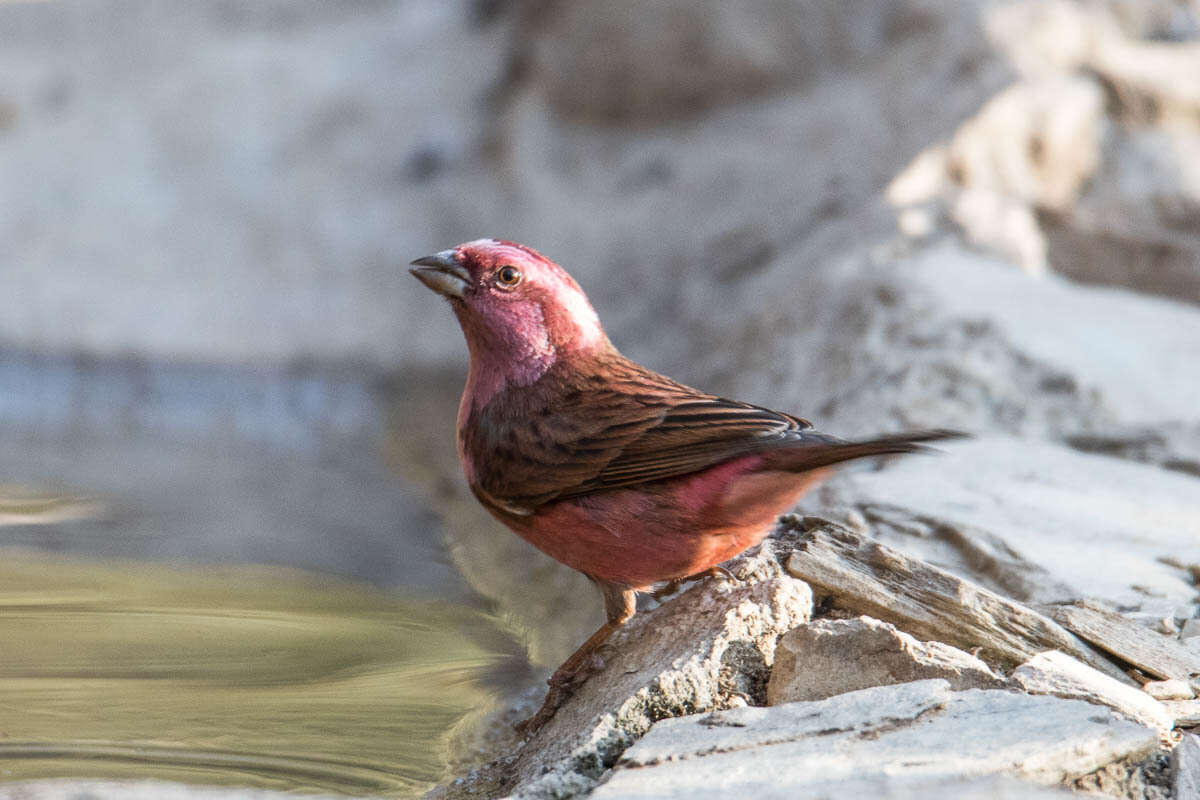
column 519, row 311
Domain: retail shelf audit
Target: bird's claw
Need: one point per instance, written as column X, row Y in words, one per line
column 667, row 589
column 672, row 586
column 718, row 572
column 530, row 726
column 562, row 685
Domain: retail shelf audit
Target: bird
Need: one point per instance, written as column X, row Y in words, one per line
column 607, row 466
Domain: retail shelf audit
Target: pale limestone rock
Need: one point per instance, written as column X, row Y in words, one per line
column 857, row 573
column 1129, row 641
column 1137, row 222
column 874, row 741
column 1173, row 689
column 943, row 336
column 829, row 657
column 1117, row 176
column 256, row 176
column 1030, row 148
column 1006, row 512
column 710, row 647
column 1057, row 674
column 1185, row 763
column 653, row 61
column 1185, row 712
column 1036, row 142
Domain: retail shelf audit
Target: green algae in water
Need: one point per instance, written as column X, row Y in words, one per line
column 247, row 676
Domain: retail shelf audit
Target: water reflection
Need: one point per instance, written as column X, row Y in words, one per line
column 230, row 675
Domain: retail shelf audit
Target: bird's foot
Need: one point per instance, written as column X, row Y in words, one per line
column 672, row 586
column 667, row 589
column 562, row 684
column 584, row 662
column 716, row 572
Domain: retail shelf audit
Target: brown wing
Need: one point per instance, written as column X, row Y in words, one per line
column 617, row 426
column 695, row 434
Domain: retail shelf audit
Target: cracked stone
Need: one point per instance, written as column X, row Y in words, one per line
column 1174, row 689
column 829, row 657
column 1185, row 766
column 1057, row 674
column 876, row 742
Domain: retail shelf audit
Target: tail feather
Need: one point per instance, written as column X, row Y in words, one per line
column 817, row 450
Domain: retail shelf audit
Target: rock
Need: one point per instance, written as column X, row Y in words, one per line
column 654, row 61
column 261, row 211
column 303, row 179
column 1156, row 655
column 862, row 575
column 1054, row 171
column 1185, row 766
column 1137, row 222
column 869, row 742
column 1006, row 512
column 1191, row 629
column 828, row 657
column 1173, row 446
column 1032, row 147
column 1185, row 712
column 710, row 647
column 1062, row 676
column 1174, row 689
column 943, row 336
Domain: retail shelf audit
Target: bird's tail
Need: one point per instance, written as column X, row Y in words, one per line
column 816, row 450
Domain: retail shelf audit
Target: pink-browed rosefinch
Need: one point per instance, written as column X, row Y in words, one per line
column 611, row 468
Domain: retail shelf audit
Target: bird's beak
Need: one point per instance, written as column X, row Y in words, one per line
column 443, row 273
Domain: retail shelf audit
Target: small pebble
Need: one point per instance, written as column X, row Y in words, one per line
column 1169, row 690
column 1167, row 625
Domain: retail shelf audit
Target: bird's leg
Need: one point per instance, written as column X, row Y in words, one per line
column 620, row 602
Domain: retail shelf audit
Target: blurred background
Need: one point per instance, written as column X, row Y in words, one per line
column 234, row 545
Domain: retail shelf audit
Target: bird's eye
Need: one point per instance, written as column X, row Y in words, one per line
column 508, row 277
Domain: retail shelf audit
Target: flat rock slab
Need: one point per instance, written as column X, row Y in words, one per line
column 1169, row 690
column 1098, row 336
column 1040, row 522
column 830, row 657
column 1062, row 676
column 1186, row 713
column 1185, row 766
column 1153, row 653
column 873, row 740
column 862, row 575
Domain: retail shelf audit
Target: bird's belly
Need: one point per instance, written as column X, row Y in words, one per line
column 637, row 537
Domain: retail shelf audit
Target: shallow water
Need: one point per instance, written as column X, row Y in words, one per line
column 211, row 575
column 262, row 677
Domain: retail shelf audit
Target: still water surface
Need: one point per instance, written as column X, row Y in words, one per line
column 136, row 639
column 229, row 675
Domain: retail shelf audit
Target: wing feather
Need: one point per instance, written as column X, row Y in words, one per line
column 620, row 426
